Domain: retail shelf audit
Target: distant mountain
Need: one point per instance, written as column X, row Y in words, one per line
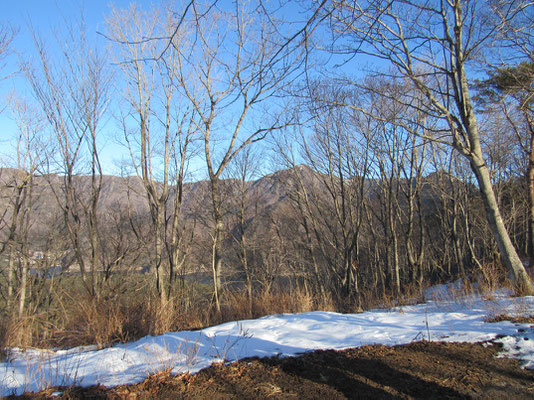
column 270, row 207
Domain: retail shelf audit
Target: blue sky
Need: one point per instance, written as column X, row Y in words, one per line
column 47, row 16
column 48, row 11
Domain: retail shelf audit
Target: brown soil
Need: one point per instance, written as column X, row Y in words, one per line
column 417, row 370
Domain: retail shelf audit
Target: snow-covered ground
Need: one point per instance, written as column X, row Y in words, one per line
column 288, row 334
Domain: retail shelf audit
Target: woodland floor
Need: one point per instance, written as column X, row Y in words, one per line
column 417, row 370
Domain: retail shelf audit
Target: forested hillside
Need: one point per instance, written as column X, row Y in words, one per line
column 271, row 157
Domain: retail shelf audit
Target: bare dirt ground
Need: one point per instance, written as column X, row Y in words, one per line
column 417, row 370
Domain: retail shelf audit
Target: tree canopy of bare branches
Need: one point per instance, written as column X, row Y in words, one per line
column 433, row 45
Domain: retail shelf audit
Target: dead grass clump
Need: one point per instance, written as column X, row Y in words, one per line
column 236, row 305
column 281, row 302
column 492, row 276
column 151, row 315
column 518, row 312
column 17, row 332
column 3, row 341
column 295, row 301
column 111, row 319
column 26, row 331
column 460, row 290
column 528, row 319
column 91, row 321
column 102, row 321
column 327, row 303
column 370, row 298
column 158, row 315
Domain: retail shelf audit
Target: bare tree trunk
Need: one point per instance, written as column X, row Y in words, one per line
column 509, row 255
column 160, row 282
column 23, row 288
column 443, row 82
column 216, row 262
column 10, row 277
column 245, row 166
column 530, row 180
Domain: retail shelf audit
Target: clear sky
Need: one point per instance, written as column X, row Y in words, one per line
column 46, row 12
column 47, row 16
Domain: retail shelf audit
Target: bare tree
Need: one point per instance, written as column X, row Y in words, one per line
column 158, row 127
column 72, row 89
column 432, row 45
column 237, row 64
column 245, row 166
column 6, row 37
column 7, row 34
column 340, row 155
column 19, row 184
column 507, row 98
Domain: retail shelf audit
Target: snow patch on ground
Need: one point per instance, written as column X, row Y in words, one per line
column 284, row 335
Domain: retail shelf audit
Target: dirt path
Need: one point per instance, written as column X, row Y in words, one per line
column 417, row 370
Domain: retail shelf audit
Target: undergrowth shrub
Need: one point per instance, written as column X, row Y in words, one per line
column 136, row 310
column 95, row 321
column 27, row 331
column 517, row 311
column 491, row 277
column 3, row 342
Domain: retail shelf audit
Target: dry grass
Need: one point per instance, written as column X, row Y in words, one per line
column 370, row 299
column 131, row 315
column 96, row 321
column 527, row 319
column 236, row 306
column 491, row 277
column 110, row 319
column 3, row 340
column 297, row 301
column 519, row 312
column 26, row 331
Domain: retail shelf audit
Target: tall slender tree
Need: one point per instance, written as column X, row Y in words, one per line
column 432, row 44
column 158, row 127
column 510, row 90
column 72, row 89
column 237, row 64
